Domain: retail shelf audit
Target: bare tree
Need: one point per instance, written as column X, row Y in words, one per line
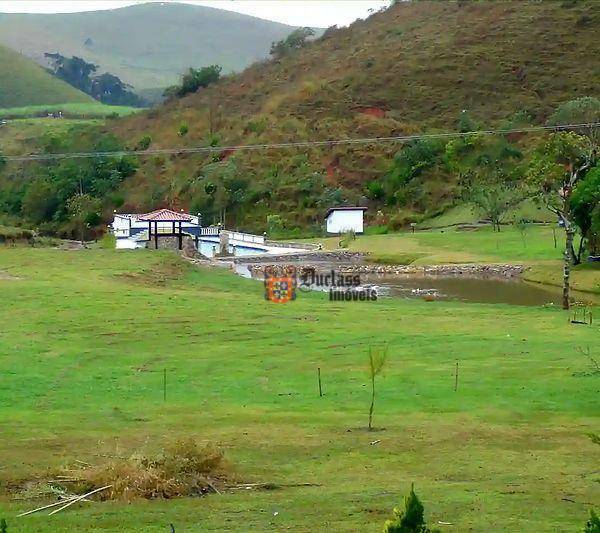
column 377, row 359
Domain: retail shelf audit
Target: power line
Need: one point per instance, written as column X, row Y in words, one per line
column 294, row 144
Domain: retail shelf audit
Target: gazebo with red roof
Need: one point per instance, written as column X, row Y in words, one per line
column 165, row 215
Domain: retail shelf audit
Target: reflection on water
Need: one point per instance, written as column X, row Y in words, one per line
column 478, row 290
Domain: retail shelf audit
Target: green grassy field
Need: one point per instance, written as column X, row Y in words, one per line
column 468, row 214
column 86, row 336
column 89, row 110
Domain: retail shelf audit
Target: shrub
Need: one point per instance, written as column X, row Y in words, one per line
column 183, row 129
column 347, row 238
column 410, row 519
column 108, row 242
column 274, row 224
column 375, row 190
column 144, row 143
column 593, row 524
column 294, row 41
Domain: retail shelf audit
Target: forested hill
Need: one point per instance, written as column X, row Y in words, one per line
column 24, row 83
column 417, row 67
column 147, row 45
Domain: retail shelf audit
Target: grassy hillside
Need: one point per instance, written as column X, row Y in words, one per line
column 418, row 67
column 147, row 45
column 82, row 375
column 413, row 68
column 24, row 83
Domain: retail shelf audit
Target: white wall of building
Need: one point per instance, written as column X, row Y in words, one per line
column 345, row 220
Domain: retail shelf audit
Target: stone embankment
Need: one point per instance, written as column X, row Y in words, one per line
column 471, row 270
column 466, row 270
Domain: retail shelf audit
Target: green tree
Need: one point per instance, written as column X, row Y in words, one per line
column 411, row 519
column 40, row 201
column 584, row 110
column 294, row 41
column 84, row 211
column 585, row 206
column 410, row 162
column 555, row 172
column 224, row 191
column 494, row 201
column 193, row 80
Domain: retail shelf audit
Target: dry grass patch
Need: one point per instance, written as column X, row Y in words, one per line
column 185, row 468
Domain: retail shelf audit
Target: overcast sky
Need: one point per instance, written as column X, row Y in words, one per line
column 317, row 13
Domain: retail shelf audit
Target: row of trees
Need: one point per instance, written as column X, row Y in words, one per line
column 562, row 174
column 66, row 197
column 106, row 88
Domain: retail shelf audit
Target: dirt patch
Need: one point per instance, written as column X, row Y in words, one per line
column 6, row 276
column 169, row 269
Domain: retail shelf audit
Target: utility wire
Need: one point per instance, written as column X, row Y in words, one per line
column 296, row 144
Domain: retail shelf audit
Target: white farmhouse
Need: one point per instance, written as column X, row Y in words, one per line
column 343, row 219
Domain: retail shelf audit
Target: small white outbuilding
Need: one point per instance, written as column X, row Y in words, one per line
column 343, row 219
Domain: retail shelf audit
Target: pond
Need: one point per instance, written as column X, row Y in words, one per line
column 477, row 290
column 457, row 288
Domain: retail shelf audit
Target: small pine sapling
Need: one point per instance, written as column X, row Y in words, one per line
column 411, row 519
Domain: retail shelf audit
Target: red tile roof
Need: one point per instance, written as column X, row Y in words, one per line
column 166, row 215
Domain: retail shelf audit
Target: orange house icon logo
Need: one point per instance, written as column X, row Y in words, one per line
column 280, row 284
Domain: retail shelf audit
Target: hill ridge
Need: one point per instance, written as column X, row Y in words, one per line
column 24, row 83
column 147, row 45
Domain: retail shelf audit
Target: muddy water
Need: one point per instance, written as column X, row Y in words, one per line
column 478, row 290
column 458, row 288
